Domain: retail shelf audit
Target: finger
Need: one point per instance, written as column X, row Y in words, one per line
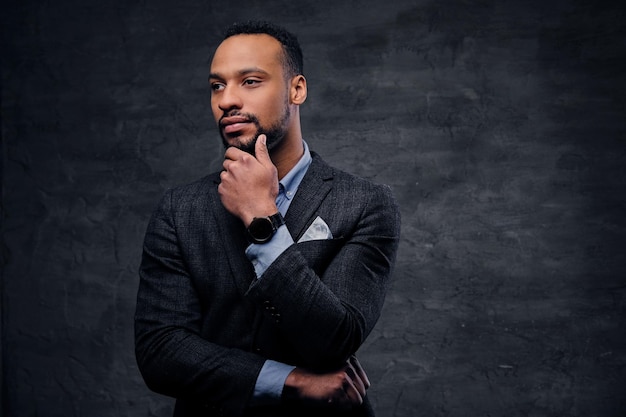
column 260, row 150
column 360, row 371
column 228, row 164
column 352, row 393
column 356, row 379
column 233, row 153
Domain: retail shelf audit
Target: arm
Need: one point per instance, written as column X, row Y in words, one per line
column 172, row 357
column 339, row 307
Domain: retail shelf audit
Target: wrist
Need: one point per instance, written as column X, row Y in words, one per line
column 262, row 229
column 255, row 212
column 291, row 389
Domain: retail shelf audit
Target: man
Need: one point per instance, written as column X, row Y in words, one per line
column 259, row 283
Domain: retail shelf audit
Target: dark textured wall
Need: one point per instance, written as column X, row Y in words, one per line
column 499, row 125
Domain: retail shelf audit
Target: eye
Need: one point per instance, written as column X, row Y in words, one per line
column 251, row 82
column 217, row 86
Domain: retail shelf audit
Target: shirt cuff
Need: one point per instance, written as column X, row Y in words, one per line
column 270, row 382
column 262, row 255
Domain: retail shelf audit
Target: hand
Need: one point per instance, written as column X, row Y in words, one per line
column 343, row 389
column 249, row 184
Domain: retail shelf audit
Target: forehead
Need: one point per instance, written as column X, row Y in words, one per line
column 247, row 51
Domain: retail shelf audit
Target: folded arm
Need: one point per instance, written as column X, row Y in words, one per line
column 338, row 304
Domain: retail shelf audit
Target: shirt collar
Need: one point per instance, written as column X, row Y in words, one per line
column 290, row 182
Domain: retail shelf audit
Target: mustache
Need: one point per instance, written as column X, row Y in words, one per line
column 249, row 117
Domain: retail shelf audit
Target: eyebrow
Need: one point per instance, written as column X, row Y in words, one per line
column 245, row 71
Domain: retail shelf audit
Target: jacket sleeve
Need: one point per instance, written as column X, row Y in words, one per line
column 172, row 356
column 327, row 312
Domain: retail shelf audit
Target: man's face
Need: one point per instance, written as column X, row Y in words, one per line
column 249, row 93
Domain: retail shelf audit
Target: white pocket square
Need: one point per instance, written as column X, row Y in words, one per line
column 318, row 230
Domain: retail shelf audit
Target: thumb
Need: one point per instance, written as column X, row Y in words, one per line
column 260, row 150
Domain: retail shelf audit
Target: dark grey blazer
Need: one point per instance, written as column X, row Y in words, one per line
column 204, row 324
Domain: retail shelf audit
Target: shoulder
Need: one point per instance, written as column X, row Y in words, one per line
column 200, row 186
column 192, row 193
column 353, row 198
column 346, row 182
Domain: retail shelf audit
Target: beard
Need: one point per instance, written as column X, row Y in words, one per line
column 274, row 133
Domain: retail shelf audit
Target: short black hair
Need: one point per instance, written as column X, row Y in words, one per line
column 293, row 63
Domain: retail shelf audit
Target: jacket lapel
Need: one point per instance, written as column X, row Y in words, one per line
column 313, row 189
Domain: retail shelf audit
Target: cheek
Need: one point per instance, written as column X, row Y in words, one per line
column 261, row 107
column 217, row 112
column 274, row 108
column 268, row 107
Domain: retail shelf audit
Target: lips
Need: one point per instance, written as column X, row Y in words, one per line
column 234, row 124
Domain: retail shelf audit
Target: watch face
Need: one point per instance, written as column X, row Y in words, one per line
column 261, row 229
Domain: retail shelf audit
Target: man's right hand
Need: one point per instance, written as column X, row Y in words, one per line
column 343, row 389
column 249, row 184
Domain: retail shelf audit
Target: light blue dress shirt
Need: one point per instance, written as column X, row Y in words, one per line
column 271, row 379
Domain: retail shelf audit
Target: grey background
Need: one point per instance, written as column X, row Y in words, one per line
column 499, row 125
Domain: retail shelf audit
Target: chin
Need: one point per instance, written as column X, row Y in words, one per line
column 239, row 142
column 246, row 145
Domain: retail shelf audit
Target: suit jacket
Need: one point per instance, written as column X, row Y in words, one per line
column 204, row 323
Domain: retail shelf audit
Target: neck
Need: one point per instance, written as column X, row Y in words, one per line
column 288, row 155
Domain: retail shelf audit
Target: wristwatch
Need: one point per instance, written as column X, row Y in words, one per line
column 262, row 229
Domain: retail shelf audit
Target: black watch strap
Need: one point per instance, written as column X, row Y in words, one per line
column 262, row 229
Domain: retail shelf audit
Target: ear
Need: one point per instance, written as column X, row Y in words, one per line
column 297, row 90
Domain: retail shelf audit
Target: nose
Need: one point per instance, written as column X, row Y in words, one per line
column 228, row 99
